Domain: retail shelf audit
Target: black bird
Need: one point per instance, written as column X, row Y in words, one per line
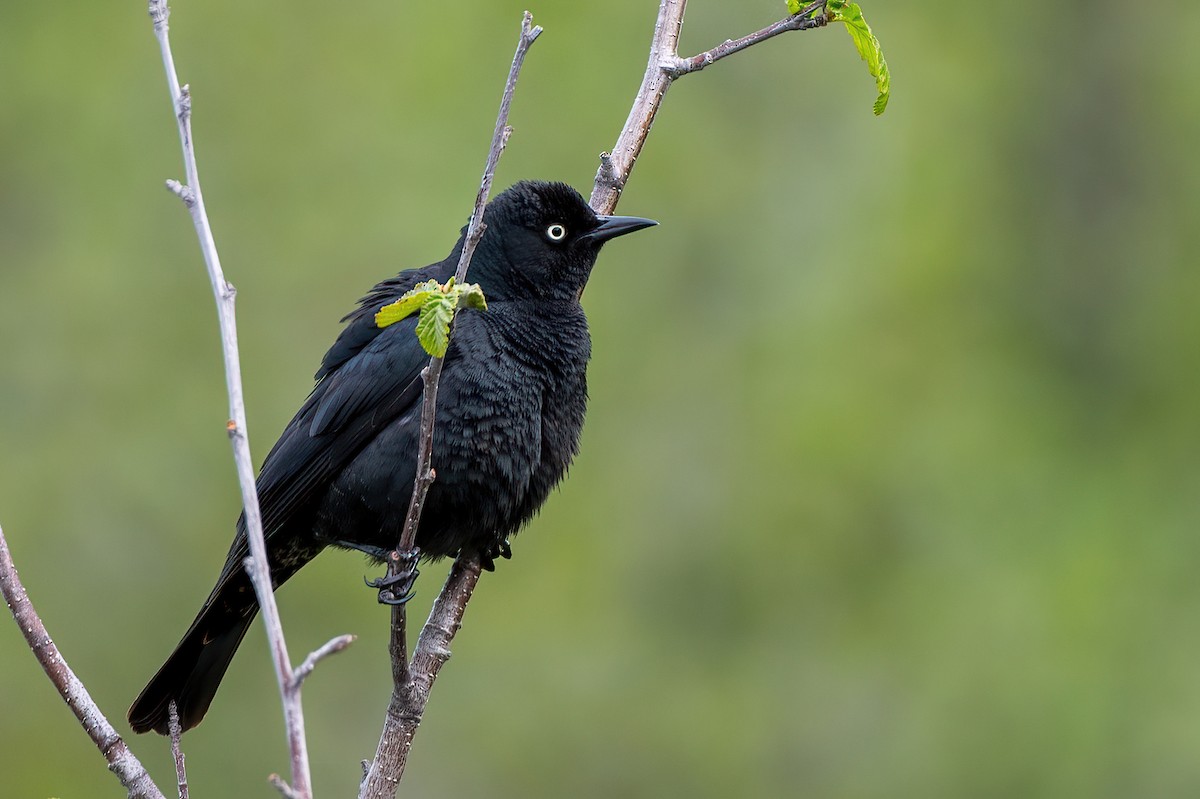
column 511, row 403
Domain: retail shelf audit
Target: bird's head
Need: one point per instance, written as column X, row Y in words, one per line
column 542, row 240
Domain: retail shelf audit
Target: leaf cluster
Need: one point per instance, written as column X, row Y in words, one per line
column 436, row 305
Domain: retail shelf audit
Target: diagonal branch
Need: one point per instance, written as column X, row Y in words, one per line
column 662, row 68
column 413, row 682
column 121, row 761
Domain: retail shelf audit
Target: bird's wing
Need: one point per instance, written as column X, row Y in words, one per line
column 342, row 415
column 361, row 329
column 362, row 396
column 368, row 378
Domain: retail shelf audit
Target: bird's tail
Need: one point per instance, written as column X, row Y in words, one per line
column 194, row 670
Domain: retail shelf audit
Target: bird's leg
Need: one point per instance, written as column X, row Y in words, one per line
column 380, row 554
column 395, row 587
column 498, row 549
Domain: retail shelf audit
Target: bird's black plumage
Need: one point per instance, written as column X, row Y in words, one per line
column 511, row 402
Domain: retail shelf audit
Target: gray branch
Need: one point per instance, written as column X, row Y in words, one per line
column 662, row 68
column 177, row 749
column 121, row 761
column 256, row 565
column 413, row 681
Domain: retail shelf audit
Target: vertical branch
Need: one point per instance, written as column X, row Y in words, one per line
column 475, row 229
column 410, row 697
column 177, row 749
column 121, row 761
column 256, row 565
column 413, row 681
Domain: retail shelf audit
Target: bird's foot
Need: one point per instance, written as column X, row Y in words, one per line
column 395, row 587
column 498, row 549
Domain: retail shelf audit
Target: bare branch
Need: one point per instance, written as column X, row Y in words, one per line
column 177, row 749
column 662, row 68
column 445, row 619
column 284, row 789
column 475, row 230
column 331, row 647
column 121, row 761
column 256, row 565
column 412, row 682
column 797, row 22
column 408, row 699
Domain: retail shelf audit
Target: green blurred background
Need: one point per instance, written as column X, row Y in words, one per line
column 889, row 482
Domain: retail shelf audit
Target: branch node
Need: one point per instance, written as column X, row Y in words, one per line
column 529, row 31
column 283, row 787
column 183, row 192
column 608, row 171
column 183, row 107
column 673, row 66
column 159, row 12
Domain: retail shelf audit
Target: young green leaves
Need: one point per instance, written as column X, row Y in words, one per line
column 864, row 40
column 436, row 305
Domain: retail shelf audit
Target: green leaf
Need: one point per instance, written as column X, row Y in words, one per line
column 796, row 6
column 470, row 295
column 433, row 325
column 868, row 47
column 435, row 305
column 411, row 302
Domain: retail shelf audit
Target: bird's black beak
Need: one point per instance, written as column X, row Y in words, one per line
column 612, row 226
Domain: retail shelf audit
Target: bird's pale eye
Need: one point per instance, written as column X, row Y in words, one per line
column 556, row 232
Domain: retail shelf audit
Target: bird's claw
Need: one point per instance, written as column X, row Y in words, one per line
column 395, row 587
column 498, row 549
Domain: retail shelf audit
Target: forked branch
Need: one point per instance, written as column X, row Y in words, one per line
column 662, row 68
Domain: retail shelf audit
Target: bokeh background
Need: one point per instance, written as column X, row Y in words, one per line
column 889, row 485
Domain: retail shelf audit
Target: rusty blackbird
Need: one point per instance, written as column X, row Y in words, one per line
column 511, row 404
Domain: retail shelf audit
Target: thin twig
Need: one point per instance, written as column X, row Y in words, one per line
column 662, row 68
column 331, row 647
column 224, row 292
column 121, row 761
column 284, row 789
column 475, row 230
column 797, row 22
column 177, row 748
column 405, row 710
column 411, row 687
